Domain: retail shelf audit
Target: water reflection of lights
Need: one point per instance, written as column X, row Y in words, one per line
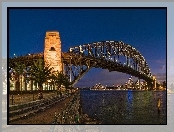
column 129, row 96
column 124, row 107
column 129, row 104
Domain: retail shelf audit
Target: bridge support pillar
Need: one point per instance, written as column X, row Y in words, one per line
column 127, row 61
column 136, row 67
column 25, row 85
column 154, row 82
column 31, row 85
column 52, row 50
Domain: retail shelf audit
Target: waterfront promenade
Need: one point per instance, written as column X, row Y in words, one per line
column 53, row 109
column 24, row 98
column 47, row 116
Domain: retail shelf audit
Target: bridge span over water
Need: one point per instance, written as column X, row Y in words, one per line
column 78, row 60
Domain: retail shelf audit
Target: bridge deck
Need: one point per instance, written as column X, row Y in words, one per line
column 80, row 60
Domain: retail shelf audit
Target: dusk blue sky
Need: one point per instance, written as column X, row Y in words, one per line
column 144, row 29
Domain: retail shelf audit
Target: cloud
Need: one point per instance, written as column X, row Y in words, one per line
column 161, row 77
column 161, row 61
column 161, row 64
column 162, row 67
column 157, row 66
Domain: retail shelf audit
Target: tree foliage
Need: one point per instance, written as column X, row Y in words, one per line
column 40, row 73
column 19, row 71
column 61, row 79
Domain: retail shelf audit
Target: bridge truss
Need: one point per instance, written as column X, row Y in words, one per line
column 111, row 55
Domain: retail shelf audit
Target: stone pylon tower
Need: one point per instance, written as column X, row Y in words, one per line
column 52, row 50
column 154, row 82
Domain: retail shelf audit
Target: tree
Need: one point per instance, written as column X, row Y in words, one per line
column 40, row 73
column 61, row 79
column 19, row 72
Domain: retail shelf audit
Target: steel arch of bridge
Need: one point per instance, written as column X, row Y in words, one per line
column 104, row 54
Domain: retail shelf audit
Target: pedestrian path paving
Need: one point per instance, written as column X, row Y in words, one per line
column 24, row 98
column 42, row 110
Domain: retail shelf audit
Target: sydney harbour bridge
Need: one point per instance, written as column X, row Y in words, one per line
column 78, row 60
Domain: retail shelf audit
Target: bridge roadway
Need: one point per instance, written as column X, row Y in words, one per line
column 80, row 60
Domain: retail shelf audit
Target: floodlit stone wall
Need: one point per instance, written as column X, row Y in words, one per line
column 52, row 50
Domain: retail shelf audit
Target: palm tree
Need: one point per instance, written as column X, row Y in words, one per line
column 61, row 79
column 40, row 73
column 19, row 71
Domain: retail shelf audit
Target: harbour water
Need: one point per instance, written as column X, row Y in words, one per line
column 96, row 128
column 125, row 106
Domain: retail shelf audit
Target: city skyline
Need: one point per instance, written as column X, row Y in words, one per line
column 144, row 29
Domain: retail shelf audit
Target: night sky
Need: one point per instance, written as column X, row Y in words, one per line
column 144, row 29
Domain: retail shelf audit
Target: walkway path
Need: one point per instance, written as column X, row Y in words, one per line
column 47, row 116
column 18, row 99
